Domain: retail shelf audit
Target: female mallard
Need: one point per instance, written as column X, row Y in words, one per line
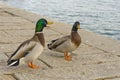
column 67, row 43
column 32, row 48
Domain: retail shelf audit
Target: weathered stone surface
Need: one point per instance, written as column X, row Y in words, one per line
column 9, row 48
column 50, row 34
column 81, row 72
column 3, row 59
column 8, row 39
column 100, row 42
column 6, row 77
column 2, row 13
column 64, row 29
column 12, row 19
column 114, row 78
column 19, row 33
column 103, row 70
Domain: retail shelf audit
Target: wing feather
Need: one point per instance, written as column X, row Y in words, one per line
column 55, row 43
column 23, row 49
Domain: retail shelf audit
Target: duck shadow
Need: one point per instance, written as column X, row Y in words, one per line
column 60, row 55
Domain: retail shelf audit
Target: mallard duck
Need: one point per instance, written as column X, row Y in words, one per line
column 32, row 48
column 67, row 43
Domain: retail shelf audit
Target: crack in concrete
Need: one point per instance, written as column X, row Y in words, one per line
column 13, row 75
column 5, row 42
column 6, row 55
column 18, row 16
column 15, row 29
column 10, row 13
column 46, row 63
column 97, row 48
column 57, row 31
column 111, row 77
column 100, row 62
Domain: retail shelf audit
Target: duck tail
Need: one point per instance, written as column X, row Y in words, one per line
column 48, row 45
column 52, row 45
column 13, row 62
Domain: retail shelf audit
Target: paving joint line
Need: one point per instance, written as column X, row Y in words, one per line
column 10, row 13
column 13, row 75
column 100, row 62
column 18, row 16
column 105, row 78
column 97, row 48
column 16, row 29
column 6, row 54
column 57, row 31
column 46, row 63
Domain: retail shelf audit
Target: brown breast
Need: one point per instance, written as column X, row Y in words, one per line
column 75, row 37
column 40, row 37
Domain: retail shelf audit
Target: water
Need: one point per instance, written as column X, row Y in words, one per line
column 100, row 16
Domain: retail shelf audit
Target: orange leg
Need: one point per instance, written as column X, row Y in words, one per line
column 31, row 65
column 67, row 57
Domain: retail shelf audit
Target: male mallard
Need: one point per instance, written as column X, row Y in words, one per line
column 67, row 43
column 32, row 48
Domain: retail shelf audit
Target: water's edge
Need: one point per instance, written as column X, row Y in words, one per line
column 102, row 17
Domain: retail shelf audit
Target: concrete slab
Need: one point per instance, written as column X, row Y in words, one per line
column 114, row 79
column 9, row 48
column 104, row 71
column 87, row 72
column 6, row 77
column 16, row 26
column 63, row 29
column 12, row 19
column 104, row 43
column 3, row 59
column 2, row 13
column 50, row 34
column 23, row 33
column 11, row 39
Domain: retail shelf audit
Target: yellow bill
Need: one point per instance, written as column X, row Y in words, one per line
column 49, row 23
column 78, row 26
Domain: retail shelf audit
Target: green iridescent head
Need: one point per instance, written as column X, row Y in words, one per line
column 76, row 26
column 41, row 23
